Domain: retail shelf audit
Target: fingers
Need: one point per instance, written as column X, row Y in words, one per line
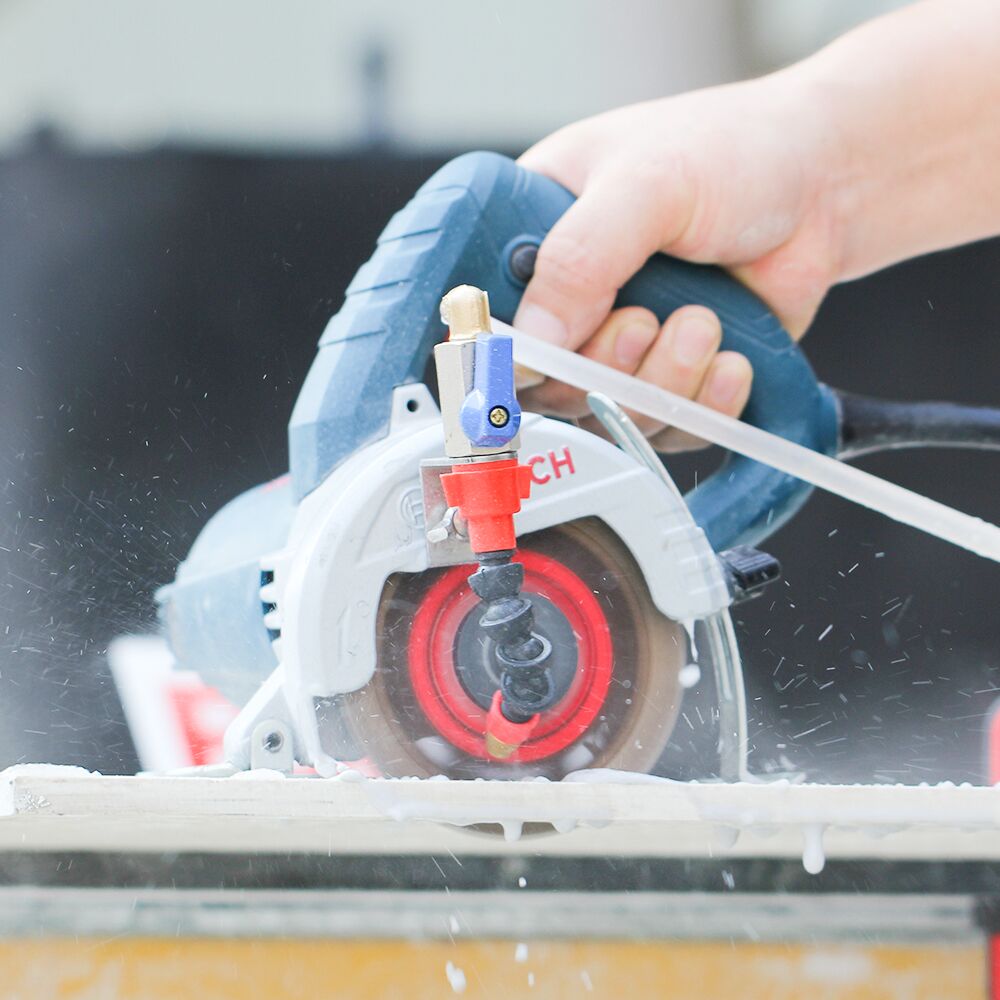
column 726, row 388
column 621, row 343
column 618, row 222
column 681, row 356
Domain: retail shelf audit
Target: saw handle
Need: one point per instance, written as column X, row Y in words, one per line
column 475, row 222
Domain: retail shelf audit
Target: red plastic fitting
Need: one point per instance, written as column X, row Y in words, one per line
column 503, row 737
column 488, row 495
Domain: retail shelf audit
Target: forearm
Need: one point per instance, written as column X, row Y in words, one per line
column 912, row 106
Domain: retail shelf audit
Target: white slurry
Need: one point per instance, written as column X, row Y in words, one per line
column 456, row 978
column 689, row 675
column 813, row 858
column 600, row 812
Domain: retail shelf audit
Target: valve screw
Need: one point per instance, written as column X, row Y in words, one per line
column 499, row 416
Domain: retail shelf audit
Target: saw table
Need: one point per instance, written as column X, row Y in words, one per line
column 130, row 886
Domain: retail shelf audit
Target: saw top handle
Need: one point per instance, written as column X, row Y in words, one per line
column 471, row 224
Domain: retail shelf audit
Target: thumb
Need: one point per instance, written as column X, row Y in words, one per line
column 600, row 242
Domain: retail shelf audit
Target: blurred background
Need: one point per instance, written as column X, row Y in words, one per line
column 186, row 191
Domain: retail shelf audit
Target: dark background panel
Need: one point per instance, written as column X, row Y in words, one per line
column 157, row 315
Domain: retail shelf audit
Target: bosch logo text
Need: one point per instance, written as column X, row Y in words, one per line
column 551, row 465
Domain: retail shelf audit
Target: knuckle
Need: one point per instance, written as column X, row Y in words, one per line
column 638, row 315
column 654, row 172
column 572, row 265
column 698, row 311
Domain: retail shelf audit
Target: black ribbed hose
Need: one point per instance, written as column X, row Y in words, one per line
column 508, row 619
column 871, row 425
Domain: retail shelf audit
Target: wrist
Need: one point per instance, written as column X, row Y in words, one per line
column 827, row 158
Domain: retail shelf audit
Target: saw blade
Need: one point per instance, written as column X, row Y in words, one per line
column 423, row 713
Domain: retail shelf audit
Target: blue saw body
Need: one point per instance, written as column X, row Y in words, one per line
column 463, row 227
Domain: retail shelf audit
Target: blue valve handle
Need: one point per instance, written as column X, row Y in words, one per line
column 492, row 386
column 461, row 228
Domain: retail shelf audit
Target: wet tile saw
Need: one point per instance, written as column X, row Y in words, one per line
column 389, row 604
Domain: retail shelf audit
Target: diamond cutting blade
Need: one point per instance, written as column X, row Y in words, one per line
column 616, row 661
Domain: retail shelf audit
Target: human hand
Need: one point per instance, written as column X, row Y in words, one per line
column 733, row 175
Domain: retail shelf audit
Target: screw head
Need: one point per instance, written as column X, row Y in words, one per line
column 499, row 417
column 522, row 261
column 272, row 742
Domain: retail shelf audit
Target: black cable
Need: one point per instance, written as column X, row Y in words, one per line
column 870, row 425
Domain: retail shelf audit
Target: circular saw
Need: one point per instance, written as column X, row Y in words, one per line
column 444, row 585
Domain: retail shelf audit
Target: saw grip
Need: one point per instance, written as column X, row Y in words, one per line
column 466, row 225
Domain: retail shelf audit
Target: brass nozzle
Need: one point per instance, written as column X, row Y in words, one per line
column 466, row 310
column 497, row 749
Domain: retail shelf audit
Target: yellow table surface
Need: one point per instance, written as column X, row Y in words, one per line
column 158, row 969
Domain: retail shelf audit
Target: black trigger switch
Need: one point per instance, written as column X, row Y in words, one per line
column 748, row 571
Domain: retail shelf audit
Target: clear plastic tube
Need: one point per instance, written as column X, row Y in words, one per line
column 903, row 505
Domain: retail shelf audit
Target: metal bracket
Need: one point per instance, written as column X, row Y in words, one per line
column 263, row 734
column 446, row 544
column 271, row 746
